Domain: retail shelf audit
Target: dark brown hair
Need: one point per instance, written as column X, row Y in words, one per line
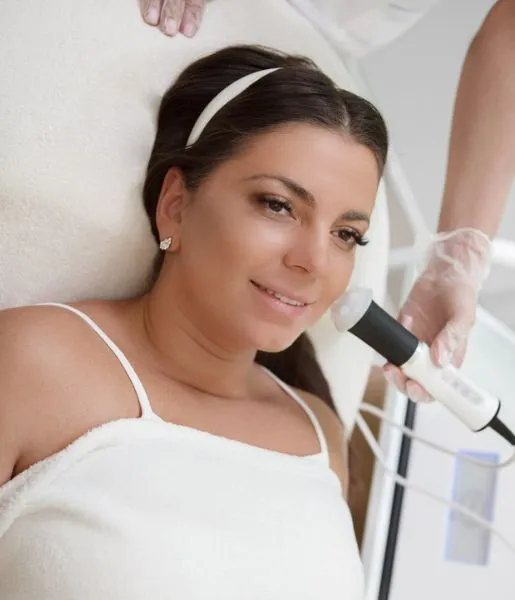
column 298, row 92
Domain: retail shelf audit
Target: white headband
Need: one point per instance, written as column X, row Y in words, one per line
column 220, row 100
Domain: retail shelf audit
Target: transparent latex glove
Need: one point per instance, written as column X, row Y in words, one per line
column 174, row 16
column 441, row 307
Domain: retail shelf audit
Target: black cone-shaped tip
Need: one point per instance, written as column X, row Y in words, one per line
column 358, row 313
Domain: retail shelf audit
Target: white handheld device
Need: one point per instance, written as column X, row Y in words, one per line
column 357, row 313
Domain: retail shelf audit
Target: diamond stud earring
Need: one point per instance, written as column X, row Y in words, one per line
column 166, row 243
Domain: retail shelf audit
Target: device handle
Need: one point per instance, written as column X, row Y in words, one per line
column 471, row 404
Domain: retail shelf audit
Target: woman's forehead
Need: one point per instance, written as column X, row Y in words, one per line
column 297, row 146
column 321, row 161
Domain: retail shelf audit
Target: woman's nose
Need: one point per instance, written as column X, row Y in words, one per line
column 309, row 251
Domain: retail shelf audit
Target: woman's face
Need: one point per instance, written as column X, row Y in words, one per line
column 268, row 241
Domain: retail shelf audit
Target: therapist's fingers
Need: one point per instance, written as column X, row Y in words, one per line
column 416, row 392
column 410, row 388
column 171, row 16
column 193, row 12
column 151, row 11
column 395, row 377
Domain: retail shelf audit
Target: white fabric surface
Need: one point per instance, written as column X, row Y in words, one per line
column 356, row 27
column 142, row 508
column 81, row 82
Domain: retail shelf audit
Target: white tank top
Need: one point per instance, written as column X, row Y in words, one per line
column 140, row 508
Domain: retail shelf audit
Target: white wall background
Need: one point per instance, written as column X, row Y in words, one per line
column 413, row 81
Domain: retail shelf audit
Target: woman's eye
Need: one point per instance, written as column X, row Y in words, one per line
column 275, row 205
column 351, row 237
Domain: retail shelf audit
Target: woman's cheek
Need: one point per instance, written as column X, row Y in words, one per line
column 340, row 279
column 267, row 240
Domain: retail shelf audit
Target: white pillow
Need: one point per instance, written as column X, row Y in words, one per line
column 81, row 83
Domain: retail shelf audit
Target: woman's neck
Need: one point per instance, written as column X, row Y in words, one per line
column 207, row 363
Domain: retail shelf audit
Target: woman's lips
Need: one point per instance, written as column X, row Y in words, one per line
column 280, row 302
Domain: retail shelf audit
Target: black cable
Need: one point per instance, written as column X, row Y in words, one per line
column 397, row 504
column 499, row 427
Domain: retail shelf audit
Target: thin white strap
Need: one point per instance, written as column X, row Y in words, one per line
column 221, row 99
column 146, row 410
column 320, row 434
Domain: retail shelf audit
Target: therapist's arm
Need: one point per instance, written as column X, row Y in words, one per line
column 441, row 306
column 481, row 164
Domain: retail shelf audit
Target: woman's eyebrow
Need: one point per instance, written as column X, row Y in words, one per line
column 307, row 197
column 355, row 215
column 293, row 186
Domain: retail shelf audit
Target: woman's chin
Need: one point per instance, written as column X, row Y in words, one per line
column 276, row 343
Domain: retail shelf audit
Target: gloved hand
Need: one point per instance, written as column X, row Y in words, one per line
column 441, row 307
column 172, row 16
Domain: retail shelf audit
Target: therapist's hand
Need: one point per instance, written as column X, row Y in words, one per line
column 441, row 307
column 174, row 16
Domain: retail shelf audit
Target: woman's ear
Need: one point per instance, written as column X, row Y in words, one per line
column 173, row 199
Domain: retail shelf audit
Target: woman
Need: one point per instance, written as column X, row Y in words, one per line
column 150, row 447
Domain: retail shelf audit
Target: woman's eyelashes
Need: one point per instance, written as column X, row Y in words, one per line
column 280, row 207
column 275, row 205
column 352, row 237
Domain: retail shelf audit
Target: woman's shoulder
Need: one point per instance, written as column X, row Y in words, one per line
column 49, row 382
column 28, row 338
column 334, row 432
column 39, row 333
column 328, row 418
column 37, row 338
column 26, row 357
column 48, row 350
